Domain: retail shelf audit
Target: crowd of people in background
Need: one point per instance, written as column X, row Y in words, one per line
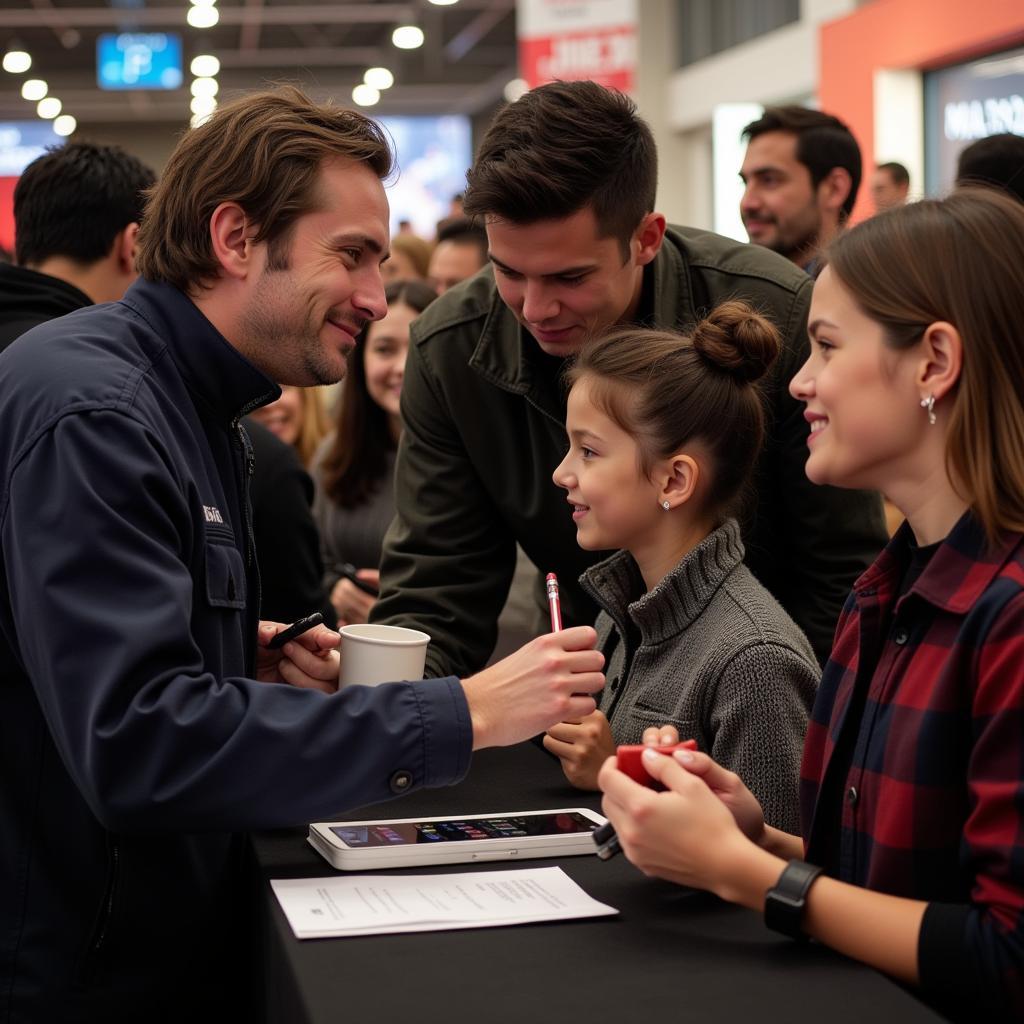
column 256, row 402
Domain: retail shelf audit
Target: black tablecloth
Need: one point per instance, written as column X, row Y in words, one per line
column 671, row 954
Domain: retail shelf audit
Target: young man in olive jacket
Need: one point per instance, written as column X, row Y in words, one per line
column 565, row 183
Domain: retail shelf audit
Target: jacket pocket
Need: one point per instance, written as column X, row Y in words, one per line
column 645, row 717
column 225, row 574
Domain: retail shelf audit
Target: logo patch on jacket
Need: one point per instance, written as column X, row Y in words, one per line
column 212, row 514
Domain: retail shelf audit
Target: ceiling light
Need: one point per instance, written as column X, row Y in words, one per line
column 34, row 89
column 407, row 37
column 203, row 105
column 379, row 78
column 365, row 95
column 17, row 60
column 443, row 3
column 515, row 89
column 203, row 3
column 50, row 107
column 197, row 119
column 204, row 66
column 202, row 17
column 65, row 124
column 205, row 87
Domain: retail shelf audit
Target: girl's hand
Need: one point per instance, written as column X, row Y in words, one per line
column 582, row 747
column 352, row 604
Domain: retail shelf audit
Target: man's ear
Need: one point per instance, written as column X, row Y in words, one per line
column 231, row 235
column 834, row 189
column 124, row 248
column 680, row 481
column 648, row 237
column 941, row 360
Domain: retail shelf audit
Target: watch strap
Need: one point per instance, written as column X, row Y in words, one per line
column 784, row 903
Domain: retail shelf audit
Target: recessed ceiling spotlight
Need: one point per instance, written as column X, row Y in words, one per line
column 203, row 105
column 65, row 124
column 379, row 78
column 407, row 37
column 515, row 89
column 365, row 95
column 16, row 60
column 34, row 89
column 205, row 65
column 205, row 87
column 202, row 17
column 443, row 3
column 48, row 108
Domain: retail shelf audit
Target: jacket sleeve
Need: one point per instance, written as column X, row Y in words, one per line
column 971, row 955
column 827, row 536
column 448, row 557
column 757, row 712
column 96, row 531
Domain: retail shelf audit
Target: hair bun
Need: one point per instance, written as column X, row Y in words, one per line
column 737, row 340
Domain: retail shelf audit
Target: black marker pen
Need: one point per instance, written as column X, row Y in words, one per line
column 294, row 630
column 607, row 841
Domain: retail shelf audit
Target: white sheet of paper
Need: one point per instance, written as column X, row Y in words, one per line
column 379, row 905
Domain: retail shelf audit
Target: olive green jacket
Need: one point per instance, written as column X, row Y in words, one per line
column 484, row 413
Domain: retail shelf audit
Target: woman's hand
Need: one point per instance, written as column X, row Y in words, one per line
column 582, row 747
column 310, row 660
column 352, row 604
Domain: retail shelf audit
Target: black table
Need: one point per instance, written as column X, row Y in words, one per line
column 671, row 954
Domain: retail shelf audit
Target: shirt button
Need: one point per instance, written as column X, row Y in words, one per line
column 851, row 796
column 400, row 781
column 901, row 636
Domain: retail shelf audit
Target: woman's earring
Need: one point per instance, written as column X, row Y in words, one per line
column 929, row 404
column 665, row 505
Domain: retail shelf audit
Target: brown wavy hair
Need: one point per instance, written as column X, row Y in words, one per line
column 672, row 390
column 959, row 259
column 355, row 462
column 262, row 151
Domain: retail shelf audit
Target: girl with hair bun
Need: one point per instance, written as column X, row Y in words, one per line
column 664, row 431
column 910, row 855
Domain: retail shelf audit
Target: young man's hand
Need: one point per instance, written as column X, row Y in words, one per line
column 310, row 660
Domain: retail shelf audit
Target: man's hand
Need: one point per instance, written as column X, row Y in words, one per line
column 582, row 747
column 310, row 660
column 549, row 680
column 352, row 604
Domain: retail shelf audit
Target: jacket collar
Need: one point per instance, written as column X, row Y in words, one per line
column 509, row 357
column 957, row 574
column 216, row 372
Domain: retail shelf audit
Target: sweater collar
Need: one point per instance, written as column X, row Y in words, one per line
column 679, row 598
column 215, row 370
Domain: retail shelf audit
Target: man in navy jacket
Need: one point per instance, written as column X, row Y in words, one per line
column 143, row 721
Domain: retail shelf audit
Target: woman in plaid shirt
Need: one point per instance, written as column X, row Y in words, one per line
column 912, row 782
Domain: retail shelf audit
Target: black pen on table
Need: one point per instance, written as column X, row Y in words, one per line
column 605, row 838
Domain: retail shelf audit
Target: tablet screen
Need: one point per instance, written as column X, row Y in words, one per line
column 452, row 830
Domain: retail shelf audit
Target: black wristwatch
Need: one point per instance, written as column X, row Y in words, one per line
column 784, row 903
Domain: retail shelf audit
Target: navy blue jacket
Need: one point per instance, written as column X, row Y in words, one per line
column 133, row 740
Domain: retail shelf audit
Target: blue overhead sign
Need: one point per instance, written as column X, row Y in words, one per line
column 131, row 60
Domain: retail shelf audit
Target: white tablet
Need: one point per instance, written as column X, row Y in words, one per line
column 412, row 842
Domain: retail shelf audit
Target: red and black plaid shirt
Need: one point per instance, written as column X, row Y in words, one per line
column 912, row 780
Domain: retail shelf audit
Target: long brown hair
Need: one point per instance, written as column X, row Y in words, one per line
column 668, row 391
column 961, row 260
column 357, row 458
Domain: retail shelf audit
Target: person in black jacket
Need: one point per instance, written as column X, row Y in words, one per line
column 76, row 215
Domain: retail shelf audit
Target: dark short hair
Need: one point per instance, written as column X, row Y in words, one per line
column 823, row 142
column 994, row 161
column 463, row 231
column 562, row 147
column 74, row 200
column 899, row 174
column 262, row 151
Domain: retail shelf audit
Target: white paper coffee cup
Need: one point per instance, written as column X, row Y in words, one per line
column 372, row 654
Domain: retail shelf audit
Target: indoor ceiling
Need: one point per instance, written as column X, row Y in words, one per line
column 467, row 58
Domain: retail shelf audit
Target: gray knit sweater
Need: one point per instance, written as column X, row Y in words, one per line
column 711, row 652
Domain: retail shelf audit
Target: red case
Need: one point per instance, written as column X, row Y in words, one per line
column 629, row 762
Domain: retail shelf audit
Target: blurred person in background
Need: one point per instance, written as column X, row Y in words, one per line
column 460, row 251
column 994, row 162
column 299, row 418
column 354, row 468
column 801, row 170
column 77, row 210
column 409, row 260
column 889, row 185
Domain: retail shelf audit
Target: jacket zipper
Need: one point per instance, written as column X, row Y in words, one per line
column 108, row 903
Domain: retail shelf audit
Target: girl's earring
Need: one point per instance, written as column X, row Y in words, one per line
column 665, row 505
column 929, row 404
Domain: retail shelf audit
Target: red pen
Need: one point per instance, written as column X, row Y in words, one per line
column 553, row 603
